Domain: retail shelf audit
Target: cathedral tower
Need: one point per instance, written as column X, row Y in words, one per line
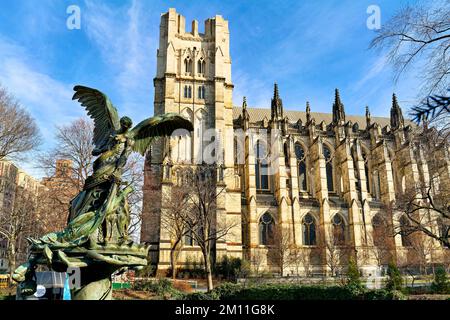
column 193, row 78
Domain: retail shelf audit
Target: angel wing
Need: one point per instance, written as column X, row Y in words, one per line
column 157, row 126
column 101, row 110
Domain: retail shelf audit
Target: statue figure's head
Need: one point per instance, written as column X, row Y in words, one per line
column 125, row 123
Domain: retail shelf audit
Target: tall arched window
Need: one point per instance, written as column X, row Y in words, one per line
column 338, row 230
column 309, row 230
column 184, row 150
column 201, row 138
column 239, row 150
column 354, row 153
column 187, row 91
column 376, row 186
column 405, row 231
column 236, row 151
column 188, row 65
column 443, row 228
column 261, row 167
column 301, row 165
column 328, row 168
column 286, row 154
column 403, row 183
column 201, row 66
column 201, row 92
column 266, row 229
column 366, row 171
column 188, row 239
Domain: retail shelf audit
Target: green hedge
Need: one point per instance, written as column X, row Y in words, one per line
column 161, row 287
column 293, row 292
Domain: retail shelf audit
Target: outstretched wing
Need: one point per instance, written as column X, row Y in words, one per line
column 101, row 110
column 163, row 125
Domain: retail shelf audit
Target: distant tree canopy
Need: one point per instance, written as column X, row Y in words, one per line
column 18, row 130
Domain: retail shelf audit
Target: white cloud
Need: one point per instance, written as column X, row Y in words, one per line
column 125, row 44
column 258, row 92
column 375, row 69
column 47, row 99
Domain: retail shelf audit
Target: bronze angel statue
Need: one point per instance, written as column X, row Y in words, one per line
column 99, row 215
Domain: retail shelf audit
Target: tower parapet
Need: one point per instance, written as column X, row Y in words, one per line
column 397, row 120
column 338, row 109
column 277, row 104
column 193, row 78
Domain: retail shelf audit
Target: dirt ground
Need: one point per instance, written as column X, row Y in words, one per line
column 6, row 293
column 429, row 297
column 133, row 295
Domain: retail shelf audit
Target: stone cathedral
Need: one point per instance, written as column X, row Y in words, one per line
column 334, row 173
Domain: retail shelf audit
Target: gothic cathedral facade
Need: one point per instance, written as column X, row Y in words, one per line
column 335, row 174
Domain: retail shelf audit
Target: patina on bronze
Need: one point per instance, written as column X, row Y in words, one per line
column 96, row 238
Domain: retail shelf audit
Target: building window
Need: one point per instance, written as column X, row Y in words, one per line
column 329, row 168
column 405, row 231
column 201, row 92
column 366, row 171
column 338, row 230
column 354, row 153
column 309, row 230
column 239, row 151
column 188, row 65
column 187, row 91
column 201, row 67
column 266, row 229
column 188, row 239
column 380, row 231
column 184, row 150
column 286, row 154
column 301, row 164
column 261, row 167
column 443, row 229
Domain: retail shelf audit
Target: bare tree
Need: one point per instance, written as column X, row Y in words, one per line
column 53, row 209
column 18, row 130
column 295, row 258
column 336, row 252
column 173, row 220
column 415, row 32
column 332, row 257
column 432, row 108
column 74, row 143
column 421, row 249
column 381, row 239
column 426, row 205
column 281, row 251
column 256, row 260
column 306, row 257
column 301, row 257
column 207, row 226
column 134, row 175
column 18, row 222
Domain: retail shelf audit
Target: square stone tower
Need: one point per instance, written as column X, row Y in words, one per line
column 193, row 79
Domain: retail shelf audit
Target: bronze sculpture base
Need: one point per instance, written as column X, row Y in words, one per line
column 96, row 283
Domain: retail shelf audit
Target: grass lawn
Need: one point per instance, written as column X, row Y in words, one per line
column 8, row 293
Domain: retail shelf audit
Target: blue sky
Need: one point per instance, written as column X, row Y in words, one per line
column 307, row 47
